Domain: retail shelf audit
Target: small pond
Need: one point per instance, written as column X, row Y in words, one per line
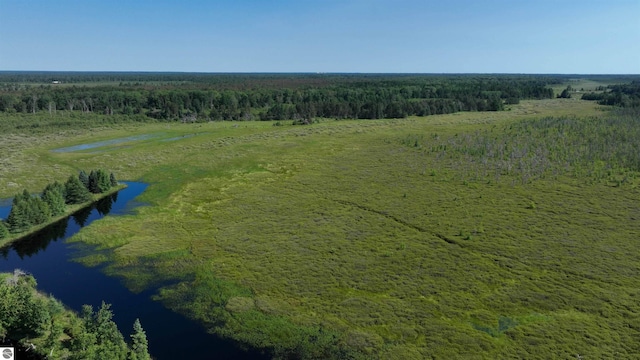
column 104, row 143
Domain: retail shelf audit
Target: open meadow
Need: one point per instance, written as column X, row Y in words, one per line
column 481, row 235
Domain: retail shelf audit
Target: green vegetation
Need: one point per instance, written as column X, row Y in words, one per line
column 566, row 93
column 301, row 97
column 4, row 232
column 624, row 95
column 509, row 234
column 139, row 343
column 42, row 324
column 29, row 213
column 591, row 149
column 54, row 195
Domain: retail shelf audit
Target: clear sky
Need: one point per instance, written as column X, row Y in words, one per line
column 390, row 36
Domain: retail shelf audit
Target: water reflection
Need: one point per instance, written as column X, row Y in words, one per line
column 33, row 244
column 39, row 241
column 104, row 205
column 81, row 216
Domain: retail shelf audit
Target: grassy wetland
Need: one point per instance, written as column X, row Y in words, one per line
column 509, row 234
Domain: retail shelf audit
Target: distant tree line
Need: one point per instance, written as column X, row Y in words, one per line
column 42, row 324
column 247, row 81
column 273, row 97
column 623, row 95
column 29, row 210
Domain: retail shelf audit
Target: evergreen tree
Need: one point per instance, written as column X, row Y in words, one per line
column 110, row 340
column 86, row 314
column 57, row 186
column 24, row 196
column 104, row 182
column 139, row 346
column 18, row 219
column 75, row 191
column 53, row 340
column 112, row 180
column 99, row 181
column 93, row 182
column 566, row 93
column 27, row 211
column 22, row 314
column 84, row 178
column 83, row 340
column 53, row 195
column 105, row 328
column 4, row 232
column 38, row 211
column 99, row 338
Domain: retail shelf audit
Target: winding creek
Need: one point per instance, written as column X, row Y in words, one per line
column 49, row 258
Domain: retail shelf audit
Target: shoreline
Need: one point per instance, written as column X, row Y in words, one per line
column 71, row 209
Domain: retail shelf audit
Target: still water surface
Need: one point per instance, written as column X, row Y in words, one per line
column 49, row 259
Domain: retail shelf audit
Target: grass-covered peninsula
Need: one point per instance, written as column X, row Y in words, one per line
column 31, row 213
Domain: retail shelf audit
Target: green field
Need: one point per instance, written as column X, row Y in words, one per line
column 506, row 234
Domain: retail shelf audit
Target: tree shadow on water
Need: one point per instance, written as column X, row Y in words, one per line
column 39, row 241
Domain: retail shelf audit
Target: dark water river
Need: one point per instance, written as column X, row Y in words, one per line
column 48, row 257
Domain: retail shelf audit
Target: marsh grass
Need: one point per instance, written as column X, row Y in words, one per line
column 592, row 149
column 343, row 238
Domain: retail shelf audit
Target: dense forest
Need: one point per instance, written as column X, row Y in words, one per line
column 301, row 97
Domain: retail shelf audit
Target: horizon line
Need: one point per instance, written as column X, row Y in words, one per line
column 300, row 72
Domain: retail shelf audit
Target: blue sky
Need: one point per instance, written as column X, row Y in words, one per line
column 391, row 36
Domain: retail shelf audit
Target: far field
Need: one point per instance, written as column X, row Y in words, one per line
column 485, row 235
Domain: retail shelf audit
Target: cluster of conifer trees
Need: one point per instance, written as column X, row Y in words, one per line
column 27, row 317
column 29, row 210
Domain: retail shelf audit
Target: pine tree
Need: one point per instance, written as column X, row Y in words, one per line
column 112, row 180
column 140, row 345
column 93, row 182
column 104, row 183
column 52, row 341
column 18, row 219
column 86, row 314
column 24, row 196
column 75, row 191
column 21, row 312
column 53, row 195
column 4, row 232
column 105, row 328
column 38, row 211
column 84, row 178
column 110, row 340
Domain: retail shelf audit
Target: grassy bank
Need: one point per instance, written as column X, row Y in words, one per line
column 371, row 239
